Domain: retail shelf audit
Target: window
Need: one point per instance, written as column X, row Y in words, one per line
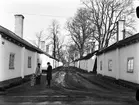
column 29, row 62
column 11, row 60
column 100, row 65
column 110, row 65
column 130, row 65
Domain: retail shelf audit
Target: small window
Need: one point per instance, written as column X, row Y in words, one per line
column 100, row 65
column 110, row 65
column 11, row 60
column 130, row 65
column 29, row 62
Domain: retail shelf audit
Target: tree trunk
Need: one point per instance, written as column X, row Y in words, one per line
column 54, row 52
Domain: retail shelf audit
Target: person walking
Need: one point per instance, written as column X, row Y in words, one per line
column 49, row 74
column 38, row 74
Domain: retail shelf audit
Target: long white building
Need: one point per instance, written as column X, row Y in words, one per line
column 18, row 58
column 120, row 60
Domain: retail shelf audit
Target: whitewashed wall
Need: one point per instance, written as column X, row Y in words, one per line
column 85, row 64
column 100, row 58
column 125, row 53
column 5, row 72
column 76, row 64
column 44, row 59
column 21, row 68
column 57, row 63
column 119, row 63
column 82, row 64
column 28, row 71
column 105, row 57
column 20, row 63
column 91, row 63
column 60, row 64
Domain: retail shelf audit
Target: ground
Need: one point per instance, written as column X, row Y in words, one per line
column 70, row 87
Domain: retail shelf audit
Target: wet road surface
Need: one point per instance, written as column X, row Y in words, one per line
column 70, row 87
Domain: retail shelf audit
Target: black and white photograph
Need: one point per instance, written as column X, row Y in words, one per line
column 69, row 52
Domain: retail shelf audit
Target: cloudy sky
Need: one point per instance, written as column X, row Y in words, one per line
column 38, row 13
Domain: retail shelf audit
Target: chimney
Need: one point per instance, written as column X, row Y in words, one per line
column 47, row 49
column 120, row 30
column 42, row 45
column 19, row 25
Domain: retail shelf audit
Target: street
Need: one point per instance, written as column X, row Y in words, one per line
column 70, row 87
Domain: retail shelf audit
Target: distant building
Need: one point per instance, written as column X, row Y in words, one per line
column 119, row 60
column 49, row 58
column 87, row 62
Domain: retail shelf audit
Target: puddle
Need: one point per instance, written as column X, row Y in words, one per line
column 60, row 77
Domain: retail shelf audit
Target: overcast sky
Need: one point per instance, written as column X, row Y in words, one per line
column 38, row 13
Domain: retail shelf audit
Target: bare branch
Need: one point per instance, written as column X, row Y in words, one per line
column 105, row 14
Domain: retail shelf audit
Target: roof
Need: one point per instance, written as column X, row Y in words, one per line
column 52, row 57
column 88, row 56
column 9, row 35
column 128, row 41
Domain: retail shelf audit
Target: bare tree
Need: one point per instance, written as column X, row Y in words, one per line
column 63, row 55
column 81, row 29
column 59, row 48
column 54, row 32
column 40, row 37
column 56, row 40
column 72, row 49
column 105, row 14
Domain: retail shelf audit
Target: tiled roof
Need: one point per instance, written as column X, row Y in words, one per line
column 88, row 56
column 128, row 41
column 7, row 34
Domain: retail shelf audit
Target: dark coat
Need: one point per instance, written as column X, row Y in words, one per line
column 49, row 72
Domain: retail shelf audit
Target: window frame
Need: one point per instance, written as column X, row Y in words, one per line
column 29, row 62
column 101, row 65
column 109, row 68
column 11, row 61
column 129, row 66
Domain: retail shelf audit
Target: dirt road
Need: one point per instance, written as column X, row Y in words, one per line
column 70, row 87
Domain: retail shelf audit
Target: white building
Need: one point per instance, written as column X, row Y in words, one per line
column 44, row 59
column 120, row 60
column 86, row 63
column 18, row 58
